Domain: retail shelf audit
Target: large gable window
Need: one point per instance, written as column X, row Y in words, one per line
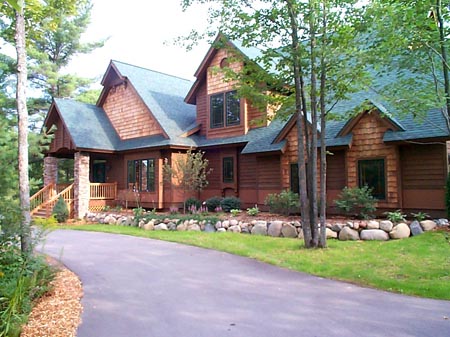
column 225, row 109
column 371, row 173
column 141, row 175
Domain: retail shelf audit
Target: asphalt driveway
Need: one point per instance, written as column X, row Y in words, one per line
column 135, row 287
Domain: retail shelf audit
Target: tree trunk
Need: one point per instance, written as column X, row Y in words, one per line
column 323, row 148
column 445, row 69
column 22, row 115
column 304, row 202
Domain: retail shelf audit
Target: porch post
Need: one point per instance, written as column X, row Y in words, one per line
column 81, row 184
column 50, row 170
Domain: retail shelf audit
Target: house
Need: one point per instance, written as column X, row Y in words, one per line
column 143, row 116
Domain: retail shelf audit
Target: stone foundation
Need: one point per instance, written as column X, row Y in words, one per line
column 50, row 170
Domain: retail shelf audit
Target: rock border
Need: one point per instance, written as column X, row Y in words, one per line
column 379, row 230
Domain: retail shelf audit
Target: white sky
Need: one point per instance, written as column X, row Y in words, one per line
column 141, row 33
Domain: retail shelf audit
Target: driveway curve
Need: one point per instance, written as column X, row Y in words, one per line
column 136, row 287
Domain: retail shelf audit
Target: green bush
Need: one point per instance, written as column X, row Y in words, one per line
column 395, row 216
column 253, row 211
column 358, row 202
column 213, row 203
column 230, row 203
column 285, row 203
column 60, row 211
column 193, row 204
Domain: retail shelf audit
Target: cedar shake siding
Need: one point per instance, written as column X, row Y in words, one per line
column 423, row 172
column 62, row 140
column 128, row 114
column 368, row 144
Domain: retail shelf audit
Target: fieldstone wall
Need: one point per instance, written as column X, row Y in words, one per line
column 81, row 184
column 350, row 230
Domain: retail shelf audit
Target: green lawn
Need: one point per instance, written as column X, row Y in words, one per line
column 416, row 266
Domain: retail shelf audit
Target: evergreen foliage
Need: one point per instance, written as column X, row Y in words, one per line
column 356, row 201
column 213, row 203
column 230, row 203
column 447, row 195
column 286, row 202
column 61, row 211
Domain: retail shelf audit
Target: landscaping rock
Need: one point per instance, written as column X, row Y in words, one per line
column 260, row 228
column 209, row 228
column 386, row 225
column 275, row 228
column 428, row 225
column 373, row 224
column 234, row 222
column 297, row 224
column 234, row 229
column 225, row 224
column 363, row 224
column 347, row 233
column 171, row 226
column 300, row 234
column 441, row 222
column 149, row 226
column 400, row 231
column 161, row 227
column 218, row 225
column 182, row 227
column 221, row 230
column 194, row 228
column 374, row 234
column 337, row 227
column 415, row 228
column 331, row 234
column 288, row 231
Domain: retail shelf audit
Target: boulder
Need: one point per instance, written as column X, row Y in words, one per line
column 331, row 234
column 347, row 233
column 373, row 224
column 288, row 231
column 301, row 236
column 274, row 228
column 336, row 227
column 442, row 222
column 428, row 225
column 374, row 234
column 386, row 225
column 194, row 228
column 218, row 225
column 225, row 224
column 221, row 230
column 209, row 228
column 234, row 222
column 234, row 229
column 161, row 227
column 400, row 231
column 149, row 226
column 182, row 227
column 172, row 226
column 415, row 228
column 260, row 228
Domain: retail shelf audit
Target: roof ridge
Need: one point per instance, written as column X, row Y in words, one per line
column 148, row 69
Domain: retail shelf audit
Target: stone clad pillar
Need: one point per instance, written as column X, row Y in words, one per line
column 81, row 184
column 50, row 170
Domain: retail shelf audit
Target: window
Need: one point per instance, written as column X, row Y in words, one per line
column 295, row 186
column 228, row 169
column 141, row 175
column 225, row 109
column 371, row 173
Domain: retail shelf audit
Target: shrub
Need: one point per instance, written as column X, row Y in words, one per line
column 230, row 203
column 60, row 211
column 213, row 203
column 193, row 204
column 420, row 216
column 285, row 203
column 395, row 216
column 253, row 211
column 235, row 212
column 356, row 201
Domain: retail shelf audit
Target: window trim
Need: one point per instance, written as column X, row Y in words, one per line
column 380, row 197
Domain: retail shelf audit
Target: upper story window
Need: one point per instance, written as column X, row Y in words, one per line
column 225, row 109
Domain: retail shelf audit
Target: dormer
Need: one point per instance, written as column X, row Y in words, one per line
column 220, row 111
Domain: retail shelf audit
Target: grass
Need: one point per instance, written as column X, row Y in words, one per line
column 417, row 266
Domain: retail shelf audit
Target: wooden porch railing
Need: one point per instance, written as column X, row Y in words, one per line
column 46, row 199
column 103, row 191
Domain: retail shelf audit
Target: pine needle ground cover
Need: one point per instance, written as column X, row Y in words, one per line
column 417, row 266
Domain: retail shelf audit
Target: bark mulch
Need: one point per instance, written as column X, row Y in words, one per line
column 57, row 313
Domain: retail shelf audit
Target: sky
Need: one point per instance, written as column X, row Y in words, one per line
column 141, row 32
